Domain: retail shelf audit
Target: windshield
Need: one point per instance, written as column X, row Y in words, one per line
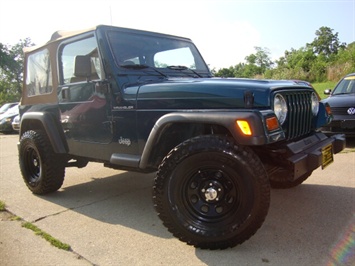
column 347, row 85
column 162, row 53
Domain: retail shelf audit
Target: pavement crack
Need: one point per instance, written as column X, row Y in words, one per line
column 50, row 215
column 84, row 205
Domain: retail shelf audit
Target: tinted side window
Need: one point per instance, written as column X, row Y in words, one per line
column 80, row 61
column 39, row 73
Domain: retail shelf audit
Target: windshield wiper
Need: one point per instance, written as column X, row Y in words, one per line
column 184, row 68
column 178, row 67
column 142, row 66
column 135, row 66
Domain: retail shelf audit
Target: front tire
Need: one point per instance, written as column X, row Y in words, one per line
column 42, row 170
column 212, row 193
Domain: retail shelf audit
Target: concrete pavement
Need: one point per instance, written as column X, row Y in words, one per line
column 107, row 218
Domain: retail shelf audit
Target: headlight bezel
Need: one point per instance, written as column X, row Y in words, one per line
column 280, row 108
column 314, row 103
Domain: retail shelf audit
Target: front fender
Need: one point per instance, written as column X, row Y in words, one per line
column 227, row 119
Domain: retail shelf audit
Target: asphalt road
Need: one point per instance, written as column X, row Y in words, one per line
column 107, row 218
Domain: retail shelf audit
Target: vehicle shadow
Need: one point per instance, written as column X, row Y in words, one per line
column 124, row 199
column 300, row 220
column 350, row 143
column 307, row 220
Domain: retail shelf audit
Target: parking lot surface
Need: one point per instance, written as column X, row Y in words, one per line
column 107, row 217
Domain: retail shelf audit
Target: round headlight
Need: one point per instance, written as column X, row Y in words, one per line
column 315, row 103
column 280, row 108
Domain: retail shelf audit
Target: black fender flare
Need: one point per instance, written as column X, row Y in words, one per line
column 50, row 126
column 226, row 119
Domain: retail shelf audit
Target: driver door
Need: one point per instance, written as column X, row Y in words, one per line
column 85, row 110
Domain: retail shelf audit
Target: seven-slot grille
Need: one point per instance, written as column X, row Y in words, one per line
column 299, row 115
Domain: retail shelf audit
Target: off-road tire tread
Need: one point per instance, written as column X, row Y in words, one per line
column 52, row 164
column 219, row 144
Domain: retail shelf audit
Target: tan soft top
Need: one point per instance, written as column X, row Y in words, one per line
column 58, row 35
column 51, row 46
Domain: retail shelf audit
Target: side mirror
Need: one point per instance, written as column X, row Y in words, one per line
column 327, row 91
column 102, row 86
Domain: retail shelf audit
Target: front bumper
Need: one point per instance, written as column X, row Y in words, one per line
column 346, row 127
column 341, row 123
column 308, row 154
column 5, row 127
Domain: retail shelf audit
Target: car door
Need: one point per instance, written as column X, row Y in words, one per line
column 85, row 110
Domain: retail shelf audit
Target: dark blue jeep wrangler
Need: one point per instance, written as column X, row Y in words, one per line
column 147, row 102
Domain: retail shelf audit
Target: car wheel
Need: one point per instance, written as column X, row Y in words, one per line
column 211, row 193
column 42, row 170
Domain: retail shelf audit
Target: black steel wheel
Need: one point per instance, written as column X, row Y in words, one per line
column 211, row 193
column 42, row 170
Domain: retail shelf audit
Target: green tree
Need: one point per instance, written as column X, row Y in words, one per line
column 225, row 72
column 343, row 63
column 347, row 55
column 314, row 61
column 326, row 42
column 326, row 58
column 256, row 64
column 263, row 59
column 11, row 70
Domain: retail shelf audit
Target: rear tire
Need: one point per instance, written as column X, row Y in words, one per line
column 211, row 193
column 42, row 170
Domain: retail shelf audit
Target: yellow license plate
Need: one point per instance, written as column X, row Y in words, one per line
column 327, row 155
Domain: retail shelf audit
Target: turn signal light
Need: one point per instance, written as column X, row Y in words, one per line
column 328, row 110
column 272, row 123
column 244, row 127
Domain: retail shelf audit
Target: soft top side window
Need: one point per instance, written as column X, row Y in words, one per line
column 80, row 61
column 39, row 73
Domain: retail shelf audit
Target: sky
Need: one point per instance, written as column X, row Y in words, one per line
column 225, row 31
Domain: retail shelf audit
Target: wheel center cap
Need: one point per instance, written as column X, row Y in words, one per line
column 211, row 194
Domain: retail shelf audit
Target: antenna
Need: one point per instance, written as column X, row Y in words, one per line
column 110, row 16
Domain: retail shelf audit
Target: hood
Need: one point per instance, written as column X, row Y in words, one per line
column 5, row 115
column 12, row 112
column 341, row 100
column 216, row 93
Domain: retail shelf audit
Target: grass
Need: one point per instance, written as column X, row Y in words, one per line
column 16, row 218
column 54, row 242
column 2, row 206
column 321, row 87
column 348, row 150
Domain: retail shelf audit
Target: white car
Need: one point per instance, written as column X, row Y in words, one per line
column 16, row 123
